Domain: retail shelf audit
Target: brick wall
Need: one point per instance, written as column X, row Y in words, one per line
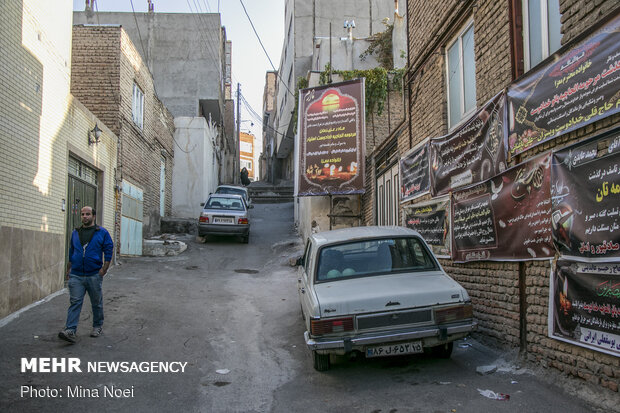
column 494, row 286
column 106, row 64
column 41, row 125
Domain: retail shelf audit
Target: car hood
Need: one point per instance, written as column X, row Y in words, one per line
column 387, row 293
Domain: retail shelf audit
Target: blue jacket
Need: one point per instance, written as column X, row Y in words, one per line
column 88, row 261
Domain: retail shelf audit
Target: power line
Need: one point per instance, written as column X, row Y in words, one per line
column 265, row 50
column 260, row 119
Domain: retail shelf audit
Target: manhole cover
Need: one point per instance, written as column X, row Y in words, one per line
column 244, row 271
column 192, row 267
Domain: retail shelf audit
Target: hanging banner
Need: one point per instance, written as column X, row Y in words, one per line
column 430, row 219
column 580, row 87
column 332, row 139
column 505, row 218
column 584, row 305
column 585, row 195
column 414, row 173
column 472, row 153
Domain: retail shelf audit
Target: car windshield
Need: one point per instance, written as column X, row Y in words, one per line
column 224, row 203
column 233, row 191
column 374, row 257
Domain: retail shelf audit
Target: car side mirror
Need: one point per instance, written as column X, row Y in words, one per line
column 251, row 206
column 202, row 204
column 299, row 261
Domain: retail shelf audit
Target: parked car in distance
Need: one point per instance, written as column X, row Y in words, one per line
column 224, row 214
column 378, row 291
column 235, row 190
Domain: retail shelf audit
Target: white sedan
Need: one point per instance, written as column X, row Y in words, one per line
column 378, row 291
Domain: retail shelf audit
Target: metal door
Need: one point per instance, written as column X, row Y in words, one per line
column 81, row 191
column 131, row 219
column 388, row 197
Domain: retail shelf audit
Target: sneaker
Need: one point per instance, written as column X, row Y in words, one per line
column 68, row 335
column 97, row 331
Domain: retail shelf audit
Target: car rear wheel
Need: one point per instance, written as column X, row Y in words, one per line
column 245, row 239
column 321, row 361
column 443, row 351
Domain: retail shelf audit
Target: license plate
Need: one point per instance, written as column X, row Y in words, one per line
column 222, row 220
column 395, row 349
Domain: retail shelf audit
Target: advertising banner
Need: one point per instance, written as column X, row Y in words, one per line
column 332, row 139
column 580, row 87
column 430, row 219
column 472, row 153
column 414, row 173
column 507, row 217
column 585, row 195
column 584, row 305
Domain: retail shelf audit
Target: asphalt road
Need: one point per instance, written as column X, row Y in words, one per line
column 230, row 312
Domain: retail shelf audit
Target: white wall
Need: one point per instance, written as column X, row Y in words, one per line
column 195, row 173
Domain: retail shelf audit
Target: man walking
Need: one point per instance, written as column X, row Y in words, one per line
column 85, row 272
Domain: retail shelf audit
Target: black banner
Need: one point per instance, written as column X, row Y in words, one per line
column 431, row 221
column 332, row 139
column 472, row 153
column 414, row 173
column 585, row 305
column 581, row 86
column 586, row 199
column 507, row 217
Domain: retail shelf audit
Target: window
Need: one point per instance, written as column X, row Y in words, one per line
column 137, row 106
column 461, row 74
column 246, row 164
column 541, row 30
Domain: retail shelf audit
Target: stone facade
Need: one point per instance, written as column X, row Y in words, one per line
column 510, row 299
column 105, row 67
column 41, row 126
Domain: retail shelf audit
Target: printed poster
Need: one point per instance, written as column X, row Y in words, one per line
column 414, row 173
column 584, row 305
column 332, row 139
column 472, row 153
column 580, row 87
column 506, row 218
column 430, row 219
column 585, row 195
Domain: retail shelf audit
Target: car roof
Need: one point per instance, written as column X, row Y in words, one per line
column 357, row 233
column 232, row 187
column 233, row 196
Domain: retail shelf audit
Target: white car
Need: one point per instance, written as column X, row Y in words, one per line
column 236, row 190
column 378, row 291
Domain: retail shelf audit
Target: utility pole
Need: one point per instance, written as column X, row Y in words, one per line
column 237, row 161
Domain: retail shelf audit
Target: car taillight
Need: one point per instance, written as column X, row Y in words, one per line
column 243, row 221
column 450, row 314
column 337, row 325
column 203, row 218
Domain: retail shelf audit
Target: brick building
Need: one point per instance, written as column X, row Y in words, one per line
column 49, row 165
column 246, row 154
column 461, row 55
column 110, row 78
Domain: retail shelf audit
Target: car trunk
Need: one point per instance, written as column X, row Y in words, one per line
column 386, row 293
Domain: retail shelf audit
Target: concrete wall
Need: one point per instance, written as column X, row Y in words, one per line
column 195, row 172
column 42, row 124
column 510, row 299
column 183, row 51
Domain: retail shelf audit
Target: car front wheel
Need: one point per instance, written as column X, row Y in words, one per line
column 443, row 351
column 321, row 361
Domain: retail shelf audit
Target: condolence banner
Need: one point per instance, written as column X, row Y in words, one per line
column 332, row 139
column 414, row 173
column 583, row 305
column 507, row 217
column 586, row 199
column 430, row 219
column 472, row 153
column 580, row 87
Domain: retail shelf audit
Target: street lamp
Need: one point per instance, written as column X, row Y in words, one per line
column 94, row 135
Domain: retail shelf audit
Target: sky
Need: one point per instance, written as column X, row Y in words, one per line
column 249, row 62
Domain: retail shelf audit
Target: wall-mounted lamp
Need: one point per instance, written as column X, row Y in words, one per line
column 94, row 135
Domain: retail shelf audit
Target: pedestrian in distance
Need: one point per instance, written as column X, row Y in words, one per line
column 85, row 272
column 245, row 180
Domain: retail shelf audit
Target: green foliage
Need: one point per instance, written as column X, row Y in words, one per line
column 302, row 83
column 381, row 46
